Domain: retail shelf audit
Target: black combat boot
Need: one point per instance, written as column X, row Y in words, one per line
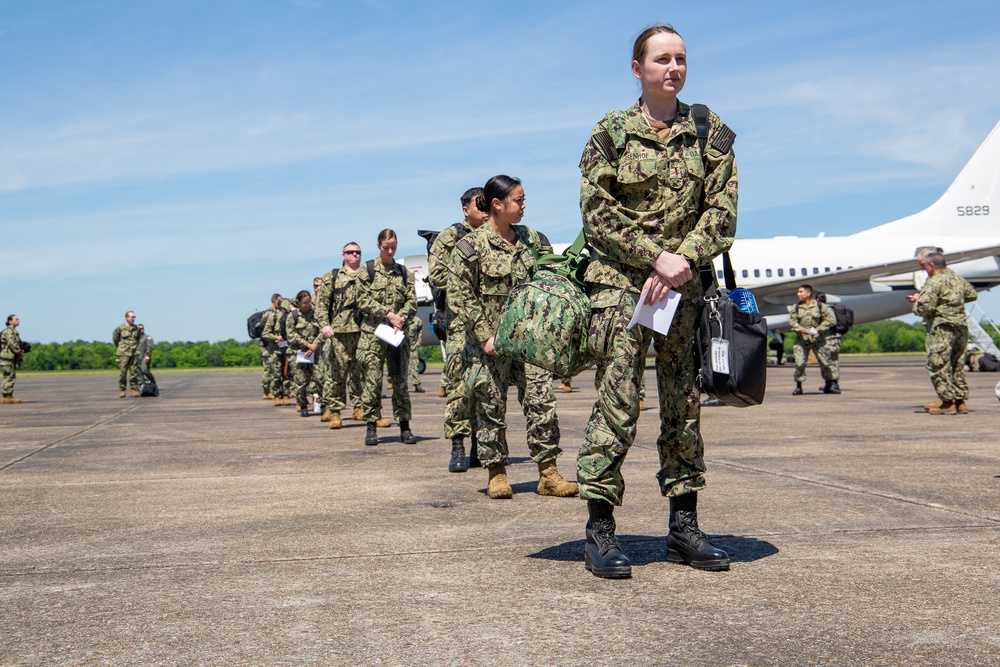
column 798, row 389
column 602, row 555
column 371, row 436
column 686, row 543
column 831, row 387
column 405, row 435
column 474, row 452
column 457, row 462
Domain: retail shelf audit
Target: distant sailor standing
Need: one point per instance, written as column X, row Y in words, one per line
column 10, row 357
column 126, row 339
column 655, row 207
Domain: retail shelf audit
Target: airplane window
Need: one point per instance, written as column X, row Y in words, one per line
column 768, row 271
column 838, row 268
column 756, row 273
column 791, row 272
column 805, row 271
column 781, row 272
column 815, row 270
column 721, row 275
column 746, row 274
column 826, row 269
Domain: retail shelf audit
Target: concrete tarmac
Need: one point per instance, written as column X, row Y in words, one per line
column 207, row 527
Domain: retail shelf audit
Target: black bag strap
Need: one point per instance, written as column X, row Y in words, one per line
column 699, row 114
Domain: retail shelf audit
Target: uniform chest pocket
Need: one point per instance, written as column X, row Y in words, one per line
column 637, row 182
column 496, row 279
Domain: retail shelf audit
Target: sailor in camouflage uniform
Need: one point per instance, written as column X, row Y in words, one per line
column 414, row 332
column 272, row 335
column 657, row 203
column 126, row 339
column 387, row 296
column 458, row 418
column 10, row 357
column 812, row 321
column 338, row 297
column 486, row 265
column 268, row 349
column 941, row 303
column 303, row 336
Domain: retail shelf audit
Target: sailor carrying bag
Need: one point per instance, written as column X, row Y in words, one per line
column 545, row 320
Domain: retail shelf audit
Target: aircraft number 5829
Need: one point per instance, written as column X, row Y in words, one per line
column 973, row 210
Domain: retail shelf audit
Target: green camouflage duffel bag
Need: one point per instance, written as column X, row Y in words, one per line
column 545, row 321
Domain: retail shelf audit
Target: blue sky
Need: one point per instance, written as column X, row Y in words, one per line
column 186, row 159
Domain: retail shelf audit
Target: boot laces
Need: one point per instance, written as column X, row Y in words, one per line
column 688, row 523
column 604, row 535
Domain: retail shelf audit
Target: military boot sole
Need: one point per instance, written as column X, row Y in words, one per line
column 610, row 572
column 712, row 565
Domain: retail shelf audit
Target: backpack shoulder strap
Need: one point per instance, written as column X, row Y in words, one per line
column 370, row 264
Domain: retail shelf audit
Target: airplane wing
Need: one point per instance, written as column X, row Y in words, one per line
column 780, row 292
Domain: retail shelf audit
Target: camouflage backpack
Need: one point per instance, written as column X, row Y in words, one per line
column 545, row 321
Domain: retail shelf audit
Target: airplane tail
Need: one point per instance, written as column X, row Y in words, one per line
column 969, row 207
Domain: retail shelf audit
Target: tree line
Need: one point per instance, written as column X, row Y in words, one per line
column 874, row 338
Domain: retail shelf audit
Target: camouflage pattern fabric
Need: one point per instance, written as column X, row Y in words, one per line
column 457, row 413
column 303, row 330
column 620, row 356
column 145, row 349
column 488, row 379
column 658, row 194
column 10, row 350
column 388, row 291
column 267, row 352
column 545, row 324
column 280, row 384
column 484, row 269
column 831, row 350
column 679, row 444
column 341, row 354
column 414, row 331
column 821, row 317
column 942, row 305
column 126, row 339
column 945, row 344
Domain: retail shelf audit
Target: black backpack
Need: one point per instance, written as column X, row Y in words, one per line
column 439, row 296
column 844, row 318
column 255, row 324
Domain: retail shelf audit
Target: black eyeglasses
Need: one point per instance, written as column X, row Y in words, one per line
column 352, row 252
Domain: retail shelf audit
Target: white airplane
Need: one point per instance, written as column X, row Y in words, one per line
column 871, row 272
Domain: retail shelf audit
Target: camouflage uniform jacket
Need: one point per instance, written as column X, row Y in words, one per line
column 303, row 329
column 266, row 319
column 272, row 326
column 943, row 299
column 126, row 339
column 484, row 269
column 335, row 303
column 145, row 347
column 10, row 344
column 439, row 257
column 658, row 196
column 387, row 292
column 814, row 315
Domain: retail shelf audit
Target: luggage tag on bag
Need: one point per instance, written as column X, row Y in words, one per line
column 720, row 356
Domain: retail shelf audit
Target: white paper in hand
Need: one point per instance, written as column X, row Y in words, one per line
column 389, row 335
column 658, row 316
column 301, row 358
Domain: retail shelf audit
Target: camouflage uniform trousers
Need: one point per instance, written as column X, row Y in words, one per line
column 265, row 364
column 458, row 419
column 128, row 371
column 413, row 338
column 946, row 345
column 620, row 356
column 280, row 384
column 832, row 350
column 304, row 382
column 488, row 379
column 679, row 444
column 342, row 371
column 373, row 354
column 9, row 375
column 819, row 346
